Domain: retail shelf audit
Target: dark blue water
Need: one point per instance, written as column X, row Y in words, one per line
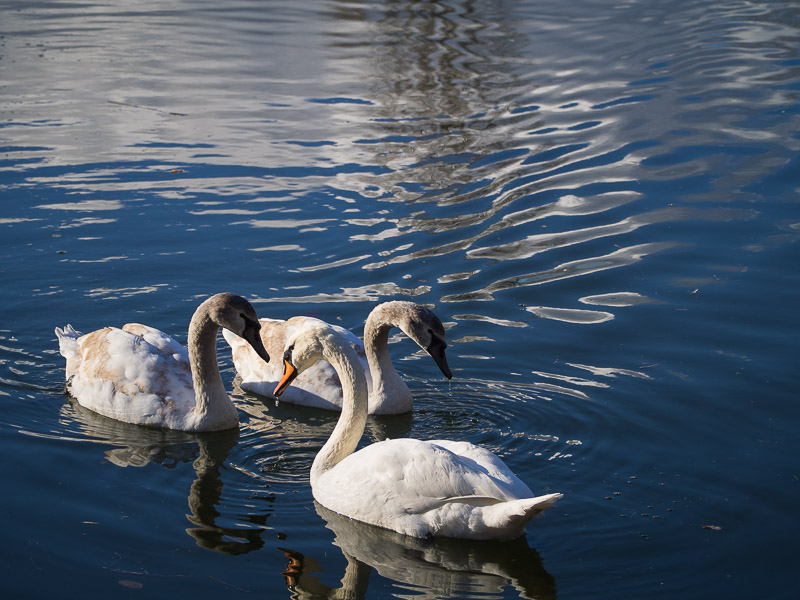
column 600, row 200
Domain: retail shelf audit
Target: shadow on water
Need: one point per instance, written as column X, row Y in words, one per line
column 428, row 569
column 137, row 446
column 204, row 496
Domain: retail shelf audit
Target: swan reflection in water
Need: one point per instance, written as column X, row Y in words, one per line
column 429, row 569
column 136, row 446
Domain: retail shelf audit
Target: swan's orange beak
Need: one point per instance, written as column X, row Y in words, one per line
column 289, row 375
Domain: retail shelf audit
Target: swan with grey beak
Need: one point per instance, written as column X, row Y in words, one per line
column 140, row 375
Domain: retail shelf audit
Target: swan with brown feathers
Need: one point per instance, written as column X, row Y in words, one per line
column 138, row 374
column 319, row 386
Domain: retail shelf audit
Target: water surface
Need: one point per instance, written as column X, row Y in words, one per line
column 598, row 199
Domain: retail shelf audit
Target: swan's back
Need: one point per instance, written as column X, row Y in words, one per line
column 425, row 472
column 126, row 377
column 482, row 459
column 160, row 340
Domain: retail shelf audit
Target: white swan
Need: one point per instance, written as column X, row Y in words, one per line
column 319, row 386
column 140, row 375
column 422, row 489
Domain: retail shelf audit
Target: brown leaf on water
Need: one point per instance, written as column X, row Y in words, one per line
column 713, row 527
column 134, row 585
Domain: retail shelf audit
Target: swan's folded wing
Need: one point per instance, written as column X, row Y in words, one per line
column 490, row 463
column 355, row 343
column 407, row 476
column 121, row 374
column 157, row 338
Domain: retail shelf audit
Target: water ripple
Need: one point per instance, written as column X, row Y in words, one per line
column 584, row 266
column 525, row 169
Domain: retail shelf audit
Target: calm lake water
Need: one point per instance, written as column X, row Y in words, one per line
column 599, row 199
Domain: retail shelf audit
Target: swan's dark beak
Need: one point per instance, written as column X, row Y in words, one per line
column 252, row 336
column 436, row 350
column 289, row 375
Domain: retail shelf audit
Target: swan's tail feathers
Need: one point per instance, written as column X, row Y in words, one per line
column 539, row 503
column 512, row 516
column 67, row 341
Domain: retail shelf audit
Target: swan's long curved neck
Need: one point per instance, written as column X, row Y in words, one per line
column 350, row 427
column 386, row 381
column 202, row 342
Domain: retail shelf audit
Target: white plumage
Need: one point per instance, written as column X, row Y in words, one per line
column 417, row 488
column 140, row 375
column 319, row 386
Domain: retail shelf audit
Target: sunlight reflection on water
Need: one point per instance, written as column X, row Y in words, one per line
column 604, row 227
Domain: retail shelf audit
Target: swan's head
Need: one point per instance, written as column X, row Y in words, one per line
column 237, row 315
column 421, row 325
column 306, row 346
